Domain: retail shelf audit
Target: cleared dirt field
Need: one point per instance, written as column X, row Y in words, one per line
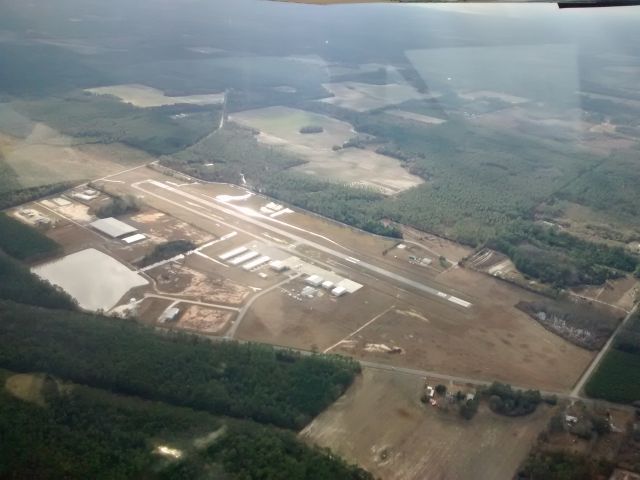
column 492, row 340
column 144, row 96
column 176, row 279
column 416, row 117
column 161, row 227
column 280, row 126
column 505, row 97
column 362, row 97
column 381, row 425
column 46, row 156
column 621, row 293
column 205, row 320
column 364, row 168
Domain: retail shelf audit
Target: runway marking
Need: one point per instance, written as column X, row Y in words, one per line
column 237, row 213
column 361, row 328
column 200, row 254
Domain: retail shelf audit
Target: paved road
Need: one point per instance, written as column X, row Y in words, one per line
column 577, row 390
column 194, row 302
column 238, row 213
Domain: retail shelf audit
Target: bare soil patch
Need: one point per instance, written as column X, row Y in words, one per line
column 205, row 320
column 479, row 94
column 362, row 97
column 416, row 117
column 381, row 425
column 145, row 97
column 177, row 279
column 27, row 387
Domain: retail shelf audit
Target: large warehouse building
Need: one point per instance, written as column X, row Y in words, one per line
column 113, row 227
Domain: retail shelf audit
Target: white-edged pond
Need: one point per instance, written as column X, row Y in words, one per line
column 94, row 279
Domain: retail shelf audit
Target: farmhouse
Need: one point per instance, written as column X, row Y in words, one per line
column 314, row 280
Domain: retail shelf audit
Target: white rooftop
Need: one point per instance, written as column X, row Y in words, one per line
column 113, row 227
column 133, row 238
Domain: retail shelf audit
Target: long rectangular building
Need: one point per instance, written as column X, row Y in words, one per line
column 243, row 258
column 256, row 263
column 113, row 227
column 232, row 253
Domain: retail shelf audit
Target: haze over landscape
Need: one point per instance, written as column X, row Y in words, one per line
column 253, row 239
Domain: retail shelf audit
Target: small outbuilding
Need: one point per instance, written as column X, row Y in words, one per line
column 278, row 266
column 328, row 285
column 314, row 280
column 338, row 291
column 169, row 315
column 136, row 237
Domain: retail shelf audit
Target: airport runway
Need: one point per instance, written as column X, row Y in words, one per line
column 257, row 219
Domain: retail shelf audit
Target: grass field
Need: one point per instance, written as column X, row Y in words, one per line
column 285, row 123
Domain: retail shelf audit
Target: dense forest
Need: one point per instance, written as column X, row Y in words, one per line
column 17, row 196
column 166, row 250
column 562, row 259
column 23, row 242
column 563, row 466
column 99, row 435
column 246, row 381
column 17, row 283
column 105, row 119
column 227, row 154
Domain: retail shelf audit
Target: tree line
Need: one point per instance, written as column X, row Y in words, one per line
column 23, row 242
column 239, row 380
column 86, row 433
